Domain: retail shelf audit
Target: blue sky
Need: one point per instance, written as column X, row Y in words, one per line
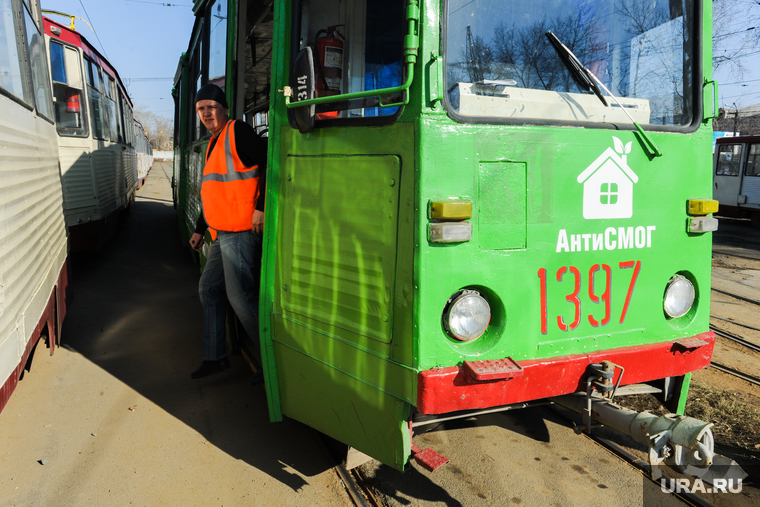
column 142, row 39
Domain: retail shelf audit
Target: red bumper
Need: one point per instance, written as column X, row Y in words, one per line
column 443, row 390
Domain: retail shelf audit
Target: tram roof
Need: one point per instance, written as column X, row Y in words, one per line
column 77, row 39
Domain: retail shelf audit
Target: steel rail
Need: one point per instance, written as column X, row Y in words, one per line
column 732, row 321
column 724, row 252
column 686, row 496
column 735, row 339
column 736, row 296
column 359, row 493
column 736, row 373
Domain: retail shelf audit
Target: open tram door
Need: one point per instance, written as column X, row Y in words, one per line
column 337, row 288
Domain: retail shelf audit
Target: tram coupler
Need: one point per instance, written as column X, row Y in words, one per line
column 684, row 443
column 599, row 379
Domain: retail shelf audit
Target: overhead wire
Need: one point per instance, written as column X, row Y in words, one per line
column 93, row 29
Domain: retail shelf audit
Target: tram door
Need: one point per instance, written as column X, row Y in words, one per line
column 751, row 177
column 341, row 310
column 728, row 173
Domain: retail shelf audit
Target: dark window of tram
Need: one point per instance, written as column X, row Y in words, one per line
column 729, row 160
column 68, row 90
column 37, row 60
column 217, row 43
column 110, row 108
column 753, row 161
column 372, row 34
column 11, row 76
column 196, row 129
column 97, row 115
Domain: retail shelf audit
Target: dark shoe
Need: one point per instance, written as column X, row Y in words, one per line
column 210, row 368
column 257, row 378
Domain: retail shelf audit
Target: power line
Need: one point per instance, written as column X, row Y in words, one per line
column 93, row 29
column 158, row 3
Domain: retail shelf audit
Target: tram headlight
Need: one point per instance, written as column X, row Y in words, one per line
column 679, row 297
column 466, row 315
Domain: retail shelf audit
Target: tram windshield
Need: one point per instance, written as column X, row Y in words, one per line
column 501, row 67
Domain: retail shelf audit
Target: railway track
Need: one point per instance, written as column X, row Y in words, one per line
column 737, row 296
column 353, row 480
column 739, row 340
column 736, row 373
column 686, row 497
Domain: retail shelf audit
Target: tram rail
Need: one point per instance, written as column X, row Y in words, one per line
column 736, row 373
column 352, row 480
column 736, row 322
column 735, row 339
column 737, row 296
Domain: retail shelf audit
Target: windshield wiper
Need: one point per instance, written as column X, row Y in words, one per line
column 579, row 72
column 586, row 80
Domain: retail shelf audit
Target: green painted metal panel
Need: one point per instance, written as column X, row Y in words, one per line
column 560, row 237
column 373, row 368
column 339, row 249
column 343, row 407
column 502, row 205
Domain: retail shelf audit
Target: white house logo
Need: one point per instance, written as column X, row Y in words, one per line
column 607, row 193
column 608, row 184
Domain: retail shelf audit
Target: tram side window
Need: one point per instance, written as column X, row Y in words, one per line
column 753, row 161
column 10, row 62
column 358, row 45
column 97, row 115
column 36, row 55
column 113, row 126
column 217, row 43
column 68, row 98
column 729, row 160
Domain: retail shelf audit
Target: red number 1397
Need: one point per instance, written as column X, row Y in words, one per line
column 593, row 294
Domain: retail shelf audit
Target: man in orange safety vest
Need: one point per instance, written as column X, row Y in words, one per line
column 232, row 195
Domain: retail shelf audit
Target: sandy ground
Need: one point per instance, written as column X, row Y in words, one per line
column 114, row 419
column 736, row 269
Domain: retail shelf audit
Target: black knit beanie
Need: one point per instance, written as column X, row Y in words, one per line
column 212, row 92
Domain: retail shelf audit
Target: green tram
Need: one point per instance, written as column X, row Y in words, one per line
column 470, row 204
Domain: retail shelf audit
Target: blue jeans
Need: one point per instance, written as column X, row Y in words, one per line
column 233, row 264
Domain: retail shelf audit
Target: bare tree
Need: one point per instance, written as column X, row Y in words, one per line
column 734, row 33
column 159, row 129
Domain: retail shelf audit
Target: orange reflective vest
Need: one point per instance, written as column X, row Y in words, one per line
column 229, row 189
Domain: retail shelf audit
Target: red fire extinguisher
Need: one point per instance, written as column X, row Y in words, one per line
column 330, row 65
column 72, row 102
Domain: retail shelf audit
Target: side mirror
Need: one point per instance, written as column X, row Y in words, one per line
column 302, row 82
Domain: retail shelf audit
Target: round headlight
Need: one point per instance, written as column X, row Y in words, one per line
column 679, row 296
column 466, row 315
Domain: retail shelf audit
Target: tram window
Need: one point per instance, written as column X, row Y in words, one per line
column 36, row 57
column 113, row 126
column 753, row 161
column 97, row 115
column 68, row 98
column 729, row 160
column 10, row 67
column 501, row 66
column 363, row 52
column 217, row 43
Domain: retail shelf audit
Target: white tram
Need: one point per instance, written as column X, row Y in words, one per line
column 144, row 154
column 736, row 180
column 33, row 242
column 96, row 137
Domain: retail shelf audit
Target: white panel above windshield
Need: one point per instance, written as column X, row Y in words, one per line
column 501, row 67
